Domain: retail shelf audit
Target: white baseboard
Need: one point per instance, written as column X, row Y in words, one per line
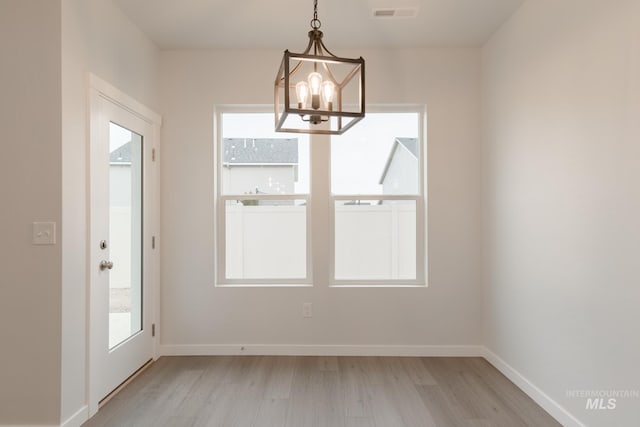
column 78, row 418
column 75, row 420
column 323, row 350
column 554, row 409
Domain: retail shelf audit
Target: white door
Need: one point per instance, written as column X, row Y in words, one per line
column 121, row 244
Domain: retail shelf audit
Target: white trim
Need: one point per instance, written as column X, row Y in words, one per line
column 75, row 420
column 320, row 245
column 78, row 418
column 220, row 217
column 554, row 409
column 322, row 350
column 120, row 98
column 28, row 425
column 422, row 261
column 230, row 164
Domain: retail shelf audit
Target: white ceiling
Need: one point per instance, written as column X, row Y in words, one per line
column 283, row 24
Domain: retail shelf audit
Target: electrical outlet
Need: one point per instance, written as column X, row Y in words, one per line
column 307, row 310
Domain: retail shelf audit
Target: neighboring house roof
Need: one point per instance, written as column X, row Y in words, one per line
column 259, row 151
column 121, row 154
column 409, row 144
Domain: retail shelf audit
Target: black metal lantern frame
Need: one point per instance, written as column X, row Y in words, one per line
column 316, row 91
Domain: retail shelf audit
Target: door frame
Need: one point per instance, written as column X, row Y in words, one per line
column 99, row 89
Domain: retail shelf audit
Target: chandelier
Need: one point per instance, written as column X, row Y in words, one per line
column 316, row 91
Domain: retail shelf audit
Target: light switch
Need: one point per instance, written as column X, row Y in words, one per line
column 44, row 233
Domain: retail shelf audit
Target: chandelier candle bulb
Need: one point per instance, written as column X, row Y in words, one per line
column 328, row 91
column 302, row 92
column 315, row 80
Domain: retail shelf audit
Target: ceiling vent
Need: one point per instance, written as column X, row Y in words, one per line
column 388, row 12
column 394, row 9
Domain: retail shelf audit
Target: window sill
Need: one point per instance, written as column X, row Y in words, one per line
column 263, row 285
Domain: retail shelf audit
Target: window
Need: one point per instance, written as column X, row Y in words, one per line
column 263, row 195
column 376, row 194
column 294, row 209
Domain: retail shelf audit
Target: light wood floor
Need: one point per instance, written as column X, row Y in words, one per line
column 265, row 391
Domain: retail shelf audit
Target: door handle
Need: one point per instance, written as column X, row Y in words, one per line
column 106, row 265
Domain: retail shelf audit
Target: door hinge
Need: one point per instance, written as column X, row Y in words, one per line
column 153, row 154
column 153, row 329
column 153, row 242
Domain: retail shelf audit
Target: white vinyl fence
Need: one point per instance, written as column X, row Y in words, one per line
column 372, row 242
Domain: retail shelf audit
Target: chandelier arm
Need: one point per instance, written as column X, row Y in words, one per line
column 295, row 69
column 308, row 48
column 324, row 48
column 350, row 76
column 331, row 76
column 305, row 119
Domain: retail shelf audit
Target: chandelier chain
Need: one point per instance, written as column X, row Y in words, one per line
column 315, row 22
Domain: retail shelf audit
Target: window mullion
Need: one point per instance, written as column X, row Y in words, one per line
column 321, row 249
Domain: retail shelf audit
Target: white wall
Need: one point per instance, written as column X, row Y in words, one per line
column 30, row 190
column 96, row 38
column 561, row 89
column 194, row 312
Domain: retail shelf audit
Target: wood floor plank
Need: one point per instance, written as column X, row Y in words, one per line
column 442, row 410
column 176, row 421
column 355, row 394
column 280, row 377
column 385, row 412
column 269, row 391
column 328, row 363
column 358, row 422
column 449, row 377
column 328, row 402
column 221, row 408
column 371, row 368
column 205, row 387
column 405, row 395
column 301, row 406
column 495, row 409
column 248, row 393
column 417, row 371
column 272, row 412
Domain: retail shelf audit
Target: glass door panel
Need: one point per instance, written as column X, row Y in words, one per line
column 125, row 234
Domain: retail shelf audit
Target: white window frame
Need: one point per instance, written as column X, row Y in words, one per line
column 320, row 209
column 419, row 199
column 221, row 201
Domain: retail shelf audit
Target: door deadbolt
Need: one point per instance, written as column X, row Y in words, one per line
column 103, row 244
column 106, row 265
